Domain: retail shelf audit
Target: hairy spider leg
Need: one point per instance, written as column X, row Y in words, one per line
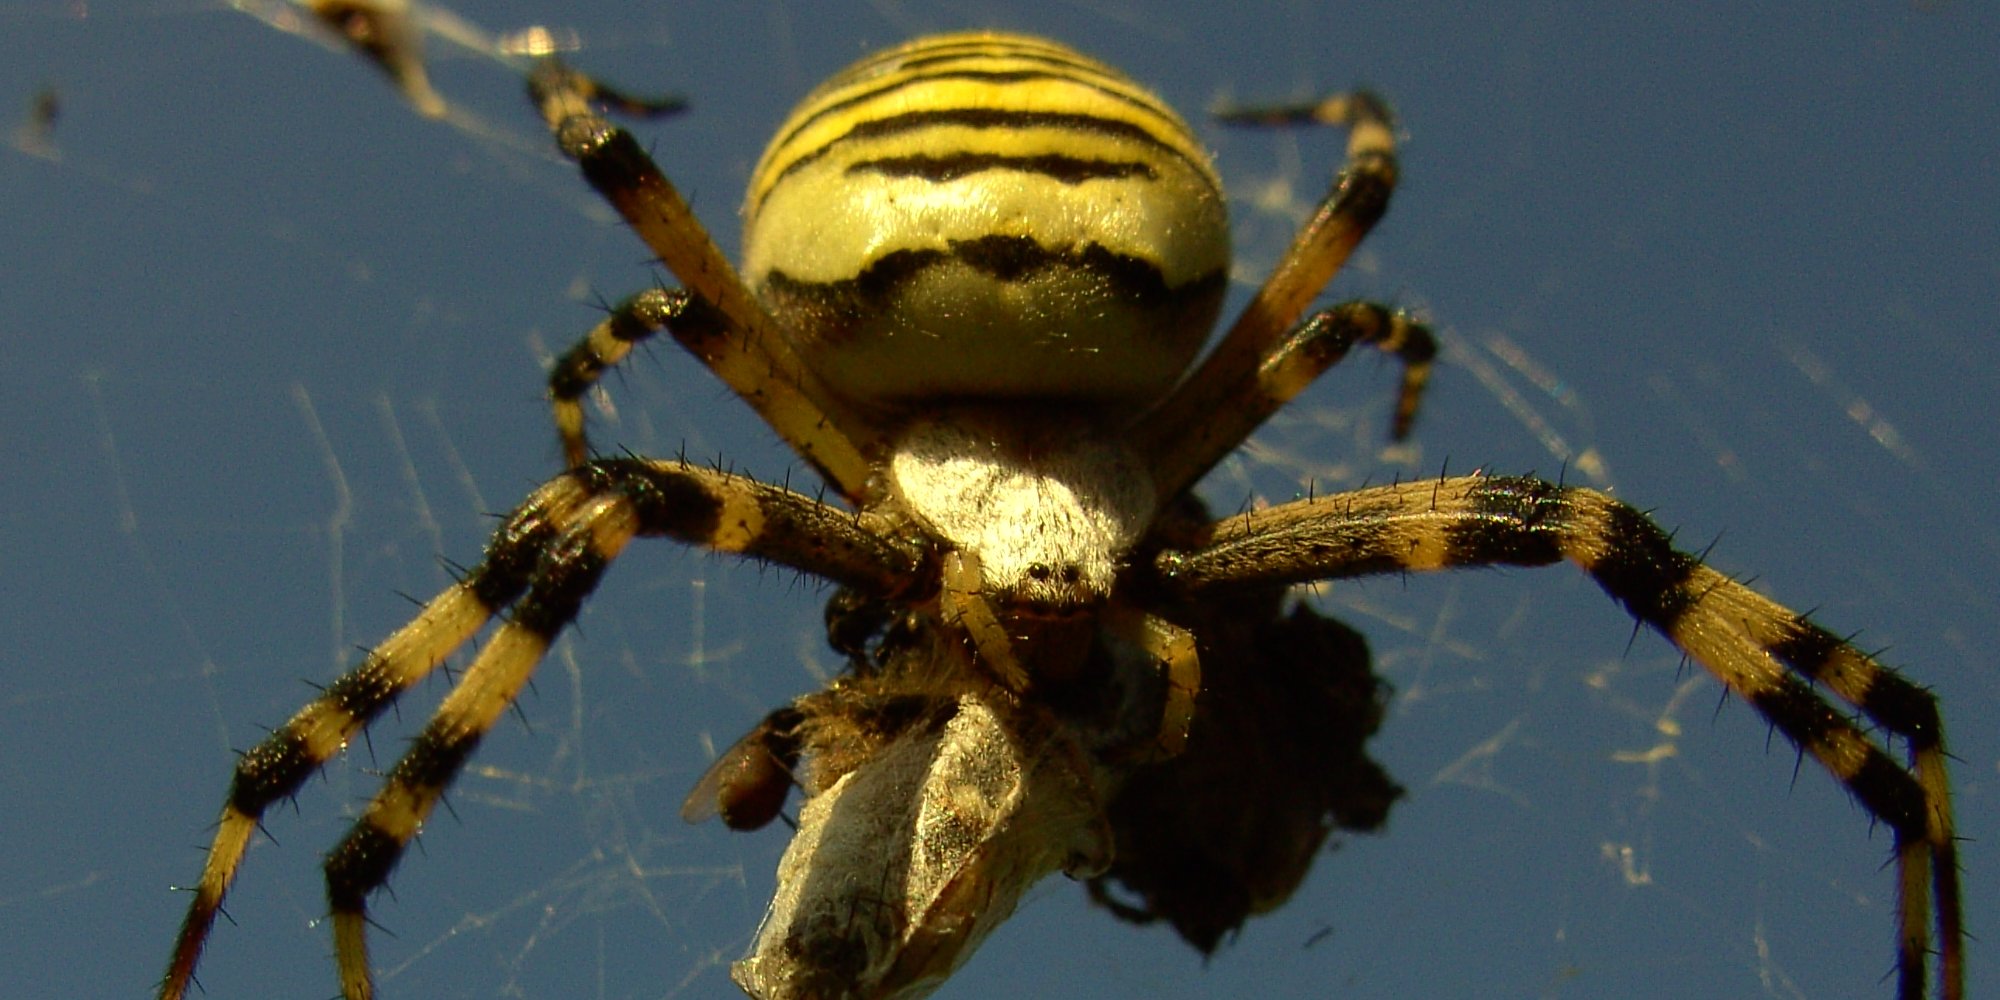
column 541, row 564
column 1293, row 363
column 629, row 323
column 748, row 350
column 278, row 766
column 1178, row 434
column 1769, row 655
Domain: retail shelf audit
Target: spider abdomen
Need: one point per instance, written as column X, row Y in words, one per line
column 988, row 216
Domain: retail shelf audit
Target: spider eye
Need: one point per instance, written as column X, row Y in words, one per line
column 1052, row 588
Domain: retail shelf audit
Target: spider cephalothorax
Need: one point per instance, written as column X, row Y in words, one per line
column 978, row 270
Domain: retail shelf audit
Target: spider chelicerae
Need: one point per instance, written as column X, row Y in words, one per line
column 979, row 269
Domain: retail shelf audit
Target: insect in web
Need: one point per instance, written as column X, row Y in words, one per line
column 979, row 271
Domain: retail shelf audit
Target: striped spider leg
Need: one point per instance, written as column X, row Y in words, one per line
column 540, row 566
column 716, row 319
column 1771, row 657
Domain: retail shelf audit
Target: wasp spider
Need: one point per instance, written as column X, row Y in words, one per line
column 978, row 272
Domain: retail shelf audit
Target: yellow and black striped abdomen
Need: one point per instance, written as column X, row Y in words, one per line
column 988, row 216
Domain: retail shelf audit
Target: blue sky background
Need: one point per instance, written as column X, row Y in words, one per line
column 270, row 350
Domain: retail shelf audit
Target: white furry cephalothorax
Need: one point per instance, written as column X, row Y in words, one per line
column 1047, row 514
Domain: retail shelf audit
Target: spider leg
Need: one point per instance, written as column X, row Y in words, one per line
column 1181, row 451
column 1357, row 200
column 275, row 768
column 1766, row 654
column 569, row 570
column 1173, row 648
column 636, row 319
column 389, row 34
column 749, row 351
column 964, row 605
column 542, row 563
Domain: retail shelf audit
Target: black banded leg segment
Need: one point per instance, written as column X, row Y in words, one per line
column 753, row 357
column 1356, row 202
column 277, row 767
column 630, row 322
column 1351, row 208
column 609, row 503
column 568, row 571
column 1181, row 455
column 741, row 516
column 1776, row 659
column 541, row 564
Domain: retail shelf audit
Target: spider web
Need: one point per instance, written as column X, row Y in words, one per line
column 271, row 346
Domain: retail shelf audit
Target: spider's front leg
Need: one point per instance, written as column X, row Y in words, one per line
column 1768, row 655
column 542, row 563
